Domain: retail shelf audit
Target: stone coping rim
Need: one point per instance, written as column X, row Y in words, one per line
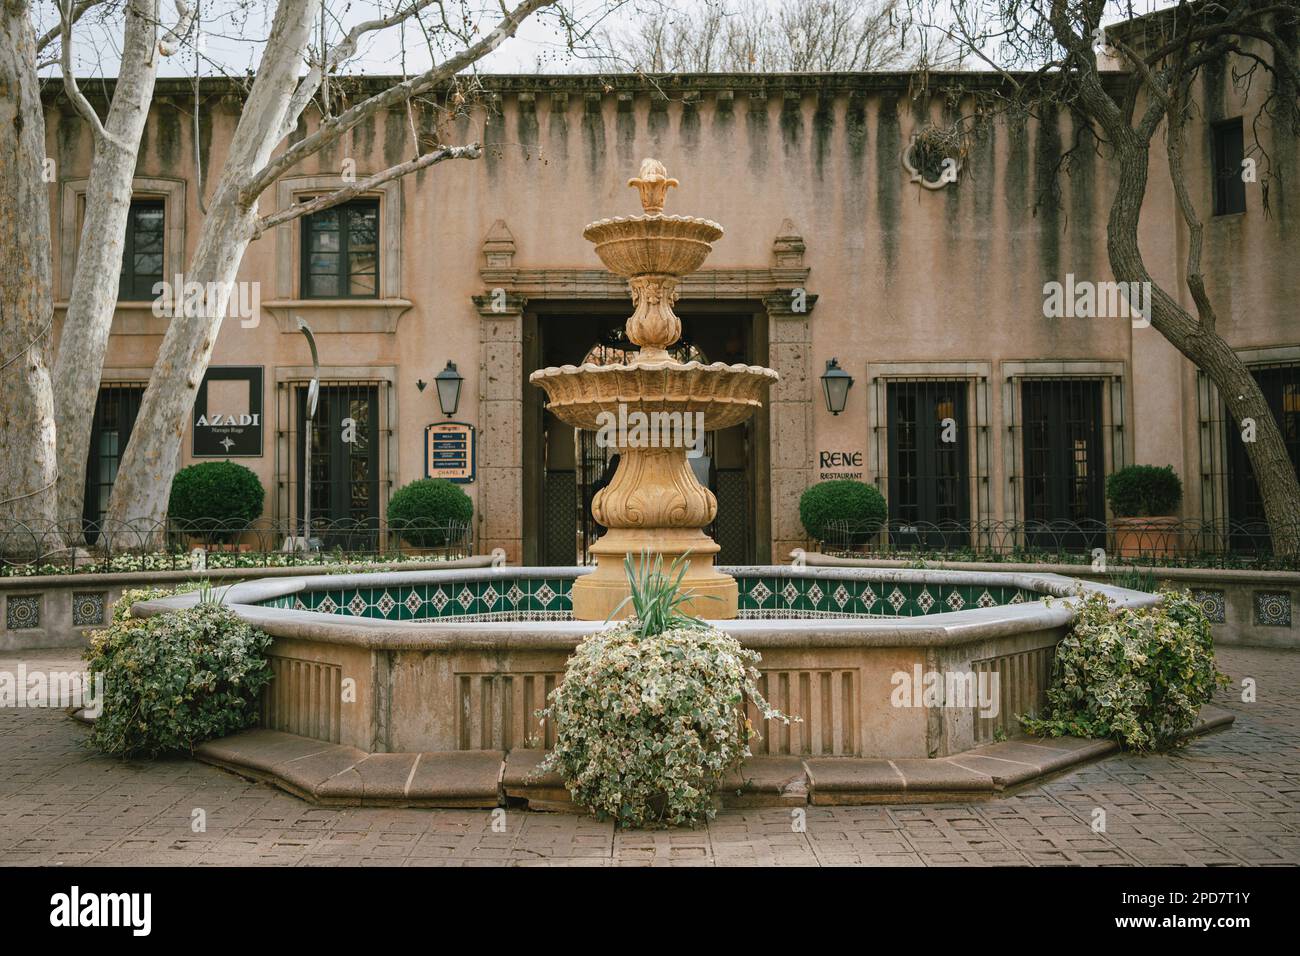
column 933, row 630
column 1232, row 575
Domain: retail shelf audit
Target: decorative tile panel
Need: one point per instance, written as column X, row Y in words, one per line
column 763, row 596
column 1273, row 608
column 23, row 612
column 88, row 608
column 1212, row 603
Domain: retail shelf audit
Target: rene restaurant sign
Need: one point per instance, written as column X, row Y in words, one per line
column 228, row 413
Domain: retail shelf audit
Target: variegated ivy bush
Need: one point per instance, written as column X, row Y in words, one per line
column 650, row 714
column 1136, row 675
column 174, row 680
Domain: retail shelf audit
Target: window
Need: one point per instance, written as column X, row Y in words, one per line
column 344, row 462
column 340, row 254
column 115, row 414
column 142, row 255
column 929, row 468
column 1063, row 462
column 1229, row 188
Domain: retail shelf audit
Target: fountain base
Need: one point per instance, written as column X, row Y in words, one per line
column 597, row 595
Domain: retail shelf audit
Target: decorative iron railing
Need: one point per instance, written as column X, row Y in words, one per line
column 35, row 547
column 1160, row 542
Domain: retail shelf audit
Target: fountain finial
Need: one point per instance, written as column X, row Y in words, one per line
column 652, row 183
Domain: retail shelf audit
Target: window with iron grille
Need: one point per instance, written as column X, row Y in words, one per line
column 116, row 409
column 1228, row 148
column 350, row 474
column 1062, row 462
column 340, row 252
column 142, row 251
column 929, row 460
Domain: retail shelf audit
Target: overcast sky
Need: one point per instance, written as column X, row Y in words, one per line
column 231, row 29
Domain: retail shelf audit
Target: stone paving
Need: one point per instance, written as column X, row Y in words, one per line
column 1231, row 798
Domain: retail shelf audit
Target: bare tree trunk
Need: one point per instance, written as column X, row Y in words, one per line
column 1200, row 342
column 143, row 484
column 27, row 442
column 88, row 323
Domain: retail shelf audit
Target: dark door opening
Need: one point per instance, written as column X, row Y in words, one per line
column 344, row 465
column 929, row 467
column 116, row 409
column 1248, row 526
column 565, row 469
column 1063, row 463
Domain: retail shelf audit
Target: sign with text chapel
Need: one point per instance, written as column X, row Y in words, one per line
column 228, row 413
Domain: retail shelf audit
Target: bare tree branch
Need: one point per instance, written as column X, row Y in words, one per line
column 332, row 128
column 472, row 151
column 171, row 40
column 66, row 19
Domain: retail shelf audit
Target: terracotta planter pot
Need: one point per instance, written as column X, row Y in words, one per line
column 1154, row 537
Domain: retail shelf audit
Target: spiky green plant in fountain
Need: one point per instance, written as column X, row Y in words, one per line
column 650, row 716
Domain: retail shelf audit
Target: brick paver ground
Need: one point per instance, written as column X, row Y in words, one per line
column 1230, row 798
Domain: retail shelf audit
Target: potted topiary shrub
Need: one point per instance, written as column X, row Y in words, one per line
column 650, row 715
column 215, row 501
column 430, row 513
column 852, row 510
column 1145, row 501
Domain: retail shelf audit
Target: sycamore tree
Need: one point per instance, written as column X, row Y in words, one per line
column 290, row 84
column 46, row 402
column 1054, row 55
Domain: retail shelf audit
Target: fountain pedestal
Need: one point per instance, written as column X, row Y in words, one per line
column 653, row 504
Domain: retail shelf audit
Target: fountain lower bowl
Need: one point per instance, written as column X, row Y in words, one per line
column 460, row 660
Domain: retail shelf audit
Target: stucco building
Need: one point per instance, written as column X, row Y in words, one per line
column 929, row 293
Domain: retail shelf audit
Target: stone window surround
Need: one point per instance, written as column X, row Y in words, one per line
column 1114, row 453
column 977, row 376
column 389, row 412
column 72, row 215
column 326, row 316
column 1210, row 427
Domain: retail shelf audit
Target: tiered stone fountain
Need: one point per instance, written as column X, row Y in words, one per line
column 654, row 503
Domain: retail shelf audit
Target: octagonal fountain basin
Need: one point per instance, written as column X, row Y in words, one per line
column 877, row 662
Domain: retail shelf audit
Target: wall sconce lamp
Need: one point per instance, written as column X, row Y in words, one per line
column 836, row 382
column 448, row 382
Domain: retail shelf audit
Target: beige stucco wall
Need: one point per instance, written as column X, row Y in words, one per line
column 900, row 274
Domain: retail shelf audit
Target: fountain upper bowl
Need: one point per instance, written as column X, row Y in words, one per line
column 648, row 245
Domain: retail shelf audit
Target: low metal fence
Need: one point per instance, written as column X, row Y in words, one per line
column 1159, row 542
column 35, row 547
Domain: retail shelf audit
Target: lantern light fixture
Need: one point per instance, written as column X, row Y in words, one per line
column 449, row 381
column 836, row 383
